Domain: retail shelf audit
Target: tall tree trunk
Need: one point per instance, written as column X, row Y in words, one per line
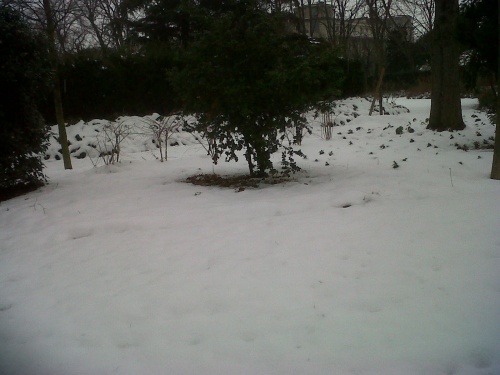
column 446, row 110
column 63, row 138
column 495, row 168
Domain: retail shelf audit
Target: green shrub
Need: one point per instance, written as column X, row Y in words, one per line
column 250, row 82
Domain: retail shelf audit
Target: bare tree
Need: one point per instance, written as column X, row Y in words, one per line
column 274, row 6
column 379, row 12
column 91, row 19
column 386, row 22
column 80, row 24
column 347, row 13
column 104, row 23
column 116, row 17
column 63, row 139
column 422, row 13
column 65, row 24
column 333, row 20
column 64, row 18
column 58, row 19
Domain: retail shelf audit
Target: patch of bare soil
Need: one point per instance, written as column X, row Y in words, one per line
column 16, row 191
column 239, row 183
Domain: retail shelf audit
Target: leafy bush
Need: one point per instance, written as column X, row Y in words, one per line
column 249, row 82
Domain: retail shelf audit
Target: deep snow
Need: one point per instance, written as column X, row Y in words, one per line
column 354, row 267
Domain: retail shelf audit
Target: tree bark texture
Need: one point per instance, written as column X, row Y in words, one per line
column 63, row 138
column 446, row 110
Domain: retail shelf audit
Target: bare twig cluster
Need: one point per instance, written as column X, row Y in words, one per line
column 109, row 142
column 162, row 128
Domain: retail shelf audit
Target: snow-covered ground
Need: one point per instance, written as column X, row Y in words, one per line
column 352, row 267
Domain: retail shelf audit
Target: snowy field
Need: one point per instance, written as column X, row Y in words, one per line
column 381, row 257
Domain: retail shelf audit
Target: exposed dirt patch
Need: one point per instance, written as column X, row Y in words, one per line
column 240, row 182
column 16, row 191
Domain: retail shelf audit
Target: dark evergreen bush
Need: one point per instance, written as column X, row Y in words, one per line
column 23, row 76
column 478, row 35
column 119, row 84
column 354, row 81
